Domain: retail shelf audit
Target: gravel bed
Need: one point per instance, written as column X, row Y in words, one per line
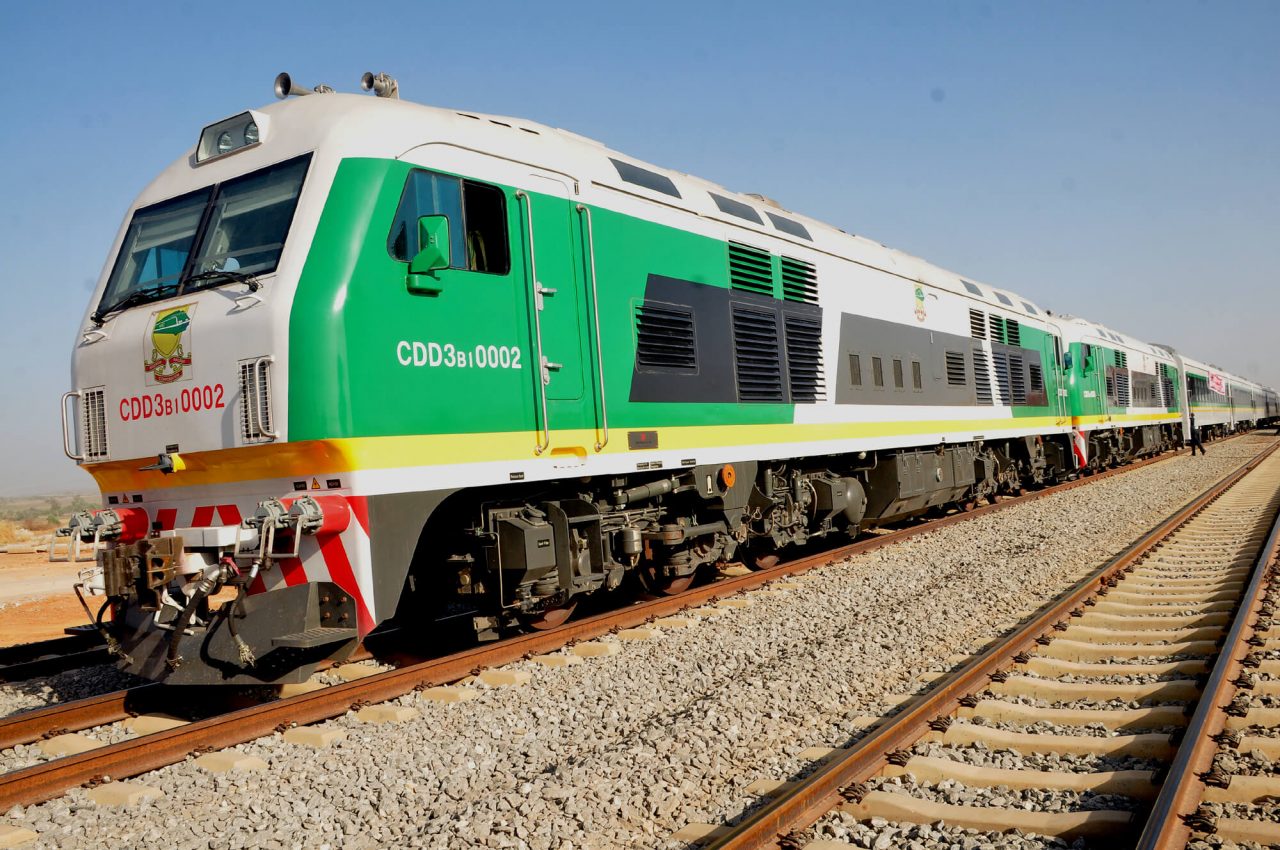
column 623, row 750
column 66, row 686
column 1114, row 679
column 1044, row 727
column 1249, row 811
column 1246, row 763
column 1028, row 799
column 1084, row 703
column 1009, row 760
column 879, row 834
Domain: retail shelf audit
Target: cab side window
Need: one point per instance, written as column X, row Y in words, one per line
column 477, row 221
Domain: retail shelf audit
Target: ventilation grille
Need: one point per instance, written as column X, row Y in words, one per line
column 1037, row 378
column 255, row 401
column 799, row 281
column 94, row 422
column 997, row 328
column 982, row 377
column 750, row 269
column 977, row 327
column 756, row 354
column 1122, row 389
column 1166, row 391
column 1013, row 332
column 665, row 338
column 1001, row 361
column 804, row 359
column 1122, row 359
column 1017, row 380
column 955, row 368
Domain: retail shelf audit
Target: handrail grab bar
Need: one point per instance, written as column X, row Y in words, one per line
column 544, row 441
column 595, row 311
column 66, row 431
column 262, row 366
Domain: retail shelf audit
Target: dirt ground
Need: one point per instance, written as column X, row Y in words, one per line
column 36, row 599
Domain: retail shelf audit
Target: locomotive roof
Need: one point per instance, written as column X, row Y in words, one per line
column 361, row 125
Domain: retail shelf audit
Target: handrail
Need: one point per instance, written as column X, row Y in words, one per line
column 595, row 311
column 262, row 366
column 543, row 377
column 66, row 433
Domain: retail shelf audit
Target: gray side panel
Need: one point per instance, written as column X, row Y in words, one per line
column 395, row 524
column 868, row 338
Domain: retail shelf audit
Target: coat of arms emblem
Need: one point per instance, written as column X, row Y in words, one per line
column 169, row 341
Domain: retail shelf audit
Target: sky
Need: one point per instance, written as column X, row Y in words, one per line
column 1112, row 159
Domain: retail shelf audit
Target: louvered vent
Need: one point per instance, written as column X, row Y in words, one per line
column 757, row 355
column 1013, row 332
column 1166, row 389
column 94, row 423
column 799, row 281
column 977, row 327
column 997, row 328
column 1122, row 389
column 1001, row 363
column 1111, row 387
column 804, row 359
column 1017, row 380
column 982, row 376
column 255, row 401
column 955, row 368
column 1122, row 359
column 665, row 338
column 750, row 269
column 1037, row 378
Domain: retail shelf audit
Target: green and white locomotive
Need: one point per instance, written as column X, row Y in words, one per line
column 355, row 360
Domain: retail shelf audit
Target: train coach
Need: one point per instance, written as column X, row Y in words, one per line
column 355, row 360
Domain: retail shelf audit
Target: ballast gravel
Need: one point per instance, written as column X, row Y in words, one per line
column 621, row 751
column 66, row 686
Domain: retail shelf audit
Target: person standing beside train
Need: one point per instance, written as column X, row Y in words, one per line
column 1195, row 437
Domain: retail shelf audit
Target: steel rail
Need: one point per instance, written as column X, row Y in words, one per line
column 54, row 664
column 45, row 781
column 15, row 655
column 28, row 726
column 802, row 805
column 1165, row 828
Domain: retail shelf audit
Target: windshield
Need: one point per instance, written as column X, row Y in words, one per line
column 240, row 227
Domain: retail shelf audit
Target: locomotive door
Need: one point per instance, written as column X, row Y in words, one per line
column 555, row 301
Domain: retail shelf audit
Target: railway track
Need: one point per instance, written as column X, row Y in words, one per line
column 1142, row 709
column 46, row 657
column 134, row 756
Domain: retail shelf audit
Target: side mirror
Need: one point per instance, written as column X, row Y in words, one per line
column 433, row 254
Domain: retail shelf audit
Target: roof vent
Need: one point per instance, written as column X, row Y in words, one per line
column 764, row 199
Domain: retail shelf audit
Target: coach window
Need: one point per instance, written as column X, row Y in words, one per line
column 855, row 370
column 477, row 221
column 877, row 372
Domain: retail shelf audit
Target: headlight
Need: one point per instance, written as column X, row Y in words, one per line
column 232, row 134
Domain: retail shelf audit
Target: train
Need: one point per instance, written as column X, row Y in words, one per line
column 356, row 363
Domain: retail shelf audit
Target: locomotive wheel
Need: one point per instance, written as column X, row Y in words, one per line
column 664, row 585
column 550, row 618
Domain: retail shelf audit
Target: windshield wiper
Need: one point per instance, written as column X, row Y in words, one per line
column 135, row 297
column 248, row 280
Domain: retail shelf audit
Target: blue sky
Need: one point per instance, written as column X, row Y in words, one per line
column 1116, row 160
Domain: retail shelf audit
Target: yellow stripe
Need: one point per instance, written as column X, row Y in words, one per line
column 321, row 457
column 1122, row 418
